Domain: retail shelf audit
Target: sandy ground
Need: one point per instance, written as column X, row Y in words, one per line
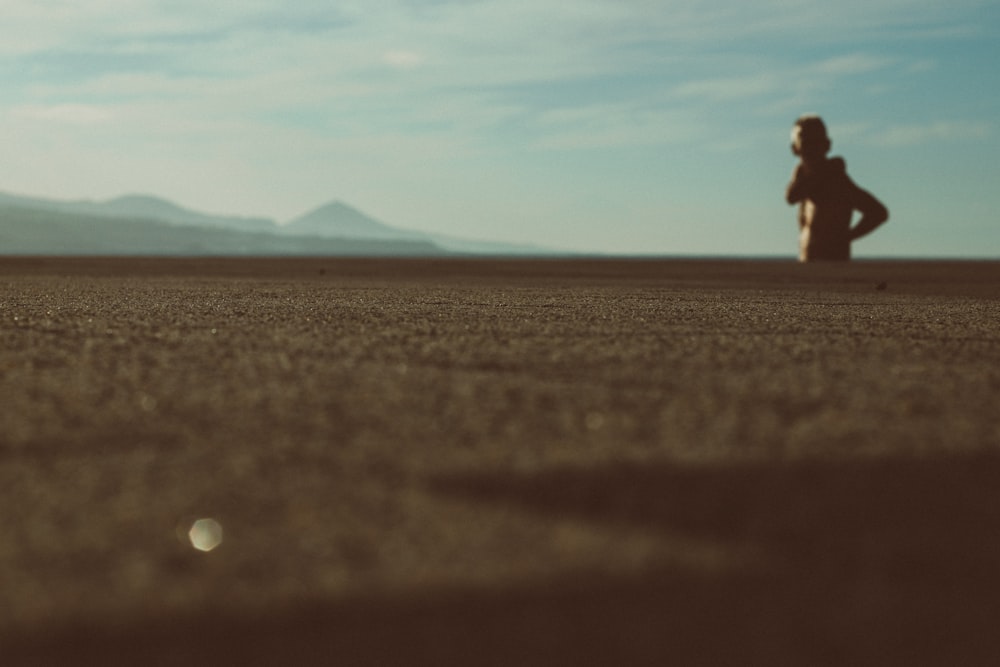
column 499, row 463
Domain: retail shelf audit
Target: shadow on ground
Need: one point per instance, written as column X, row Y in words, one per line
column 882, row 562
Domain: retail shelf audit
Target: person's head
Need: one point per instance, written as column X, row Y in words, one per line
column 809, row 138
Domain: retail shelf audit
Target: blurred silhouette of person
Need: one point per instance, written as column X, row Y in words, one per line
column 827, row 197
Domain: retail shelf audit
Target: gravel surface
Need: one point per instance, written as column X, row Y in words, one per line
column 499, row 462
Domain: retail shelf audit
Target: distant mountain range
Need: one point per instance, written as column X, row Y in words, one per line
column 147, row 225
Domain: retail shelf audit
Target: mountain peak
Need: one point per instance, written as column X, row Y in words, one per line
column 141, row 198
column 145, row 204
column 339, row 219
column 338, row 205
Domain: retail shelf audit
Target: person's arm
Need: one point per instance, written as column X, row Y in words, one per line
column 809, row 176
column 873, row 212
column 798, row 186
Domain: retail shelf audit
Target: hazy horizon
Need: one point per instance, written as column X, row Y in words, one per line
column 606, row 127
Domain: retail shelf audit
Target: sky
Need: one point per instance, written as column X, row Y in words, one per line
column 611, row 126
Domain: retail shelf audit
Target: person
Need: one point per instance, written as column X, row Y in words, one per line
column 827, row 197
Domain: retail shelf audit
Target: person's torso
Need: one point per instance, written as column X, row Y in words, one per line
column 825, row 215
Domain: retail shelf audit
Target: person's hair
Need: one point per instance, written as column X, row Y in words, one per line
column 810, row 129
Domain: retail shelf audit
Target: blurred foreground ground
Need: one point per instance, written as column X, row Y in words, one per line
column 499, row 463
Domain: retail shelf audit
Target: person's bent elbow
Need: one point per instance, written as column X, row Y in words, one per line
column 879, row 214
column 792, row 195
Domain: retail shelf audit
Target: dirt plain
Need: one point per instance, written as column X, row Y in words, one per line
column 487, row 462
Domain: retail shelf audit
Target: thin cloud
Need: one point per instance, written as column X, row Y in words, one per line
column 915, row 134
column 726, row 89
column 607, row 126
column 398, row 59
column 71, row 114
column 853, row 63
column 773, row 79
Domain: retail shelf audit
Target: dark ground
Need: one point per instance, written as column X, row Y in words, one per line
column 473, row 462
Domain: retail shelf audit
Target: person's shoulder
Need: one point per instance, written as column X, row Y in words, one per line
column 838, row 163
